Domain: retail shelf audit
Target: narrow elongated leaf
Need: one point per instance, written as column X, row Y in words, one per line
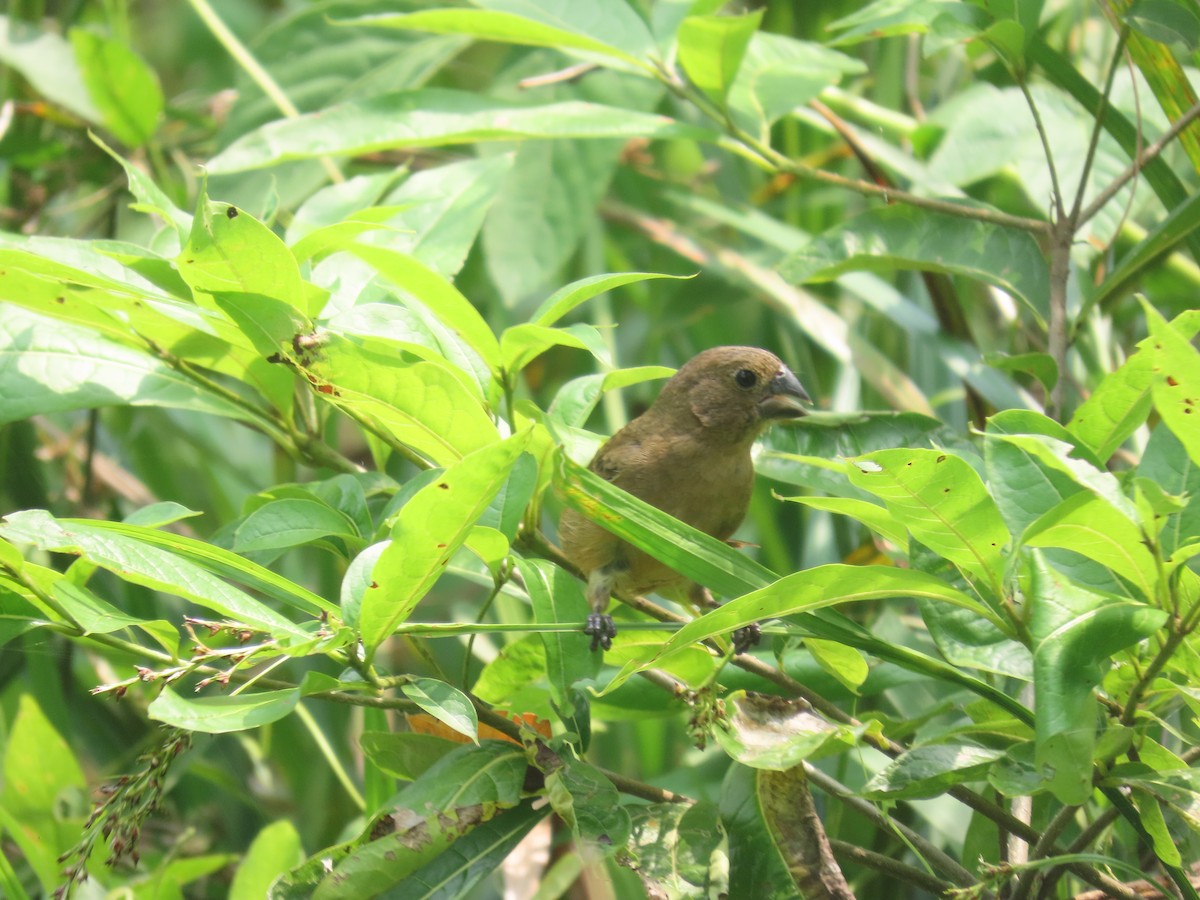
column 145, row 564
column 427, row 531
column 437, row 117
column 806, row 591
column 220, row 715
column 872, row 515
column 900, row 237
column 942, row 501
column 528, row 28
column 572, row 295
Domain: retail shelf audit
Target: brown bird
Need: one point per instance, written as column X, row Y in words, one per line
column 688, row 455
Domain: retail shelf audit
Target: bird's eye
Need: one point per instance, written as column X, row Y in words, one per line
column 745, row 378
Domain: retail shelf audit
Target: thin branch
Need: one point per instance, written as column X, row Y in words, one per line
column 890, row 867
column 1043, row 848
column 1094, row 142
column 1060, row 213
column 934, row 856
column 1145, row 158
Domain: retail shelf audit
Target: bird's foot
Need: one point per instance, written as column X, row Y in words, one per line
column 601, row 629
column 746, row 637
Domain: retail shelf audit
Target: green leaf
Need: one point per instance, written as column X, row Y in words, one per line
column 445, row 703
column 588, row 802
column 435, row 117
column 427, row 406
column 887, row 18
column 943, row 502
column 281, row 524
column 141, row 562
column 230, row 252
column 1092, row 527
column 95, row 615
column 158, row 515
column 711, row 49
column 441, row 210
column 148, row 195
column 1175, row 383
column 779, row 73
column 276, row 848
column 466, row 788
column 219, row 715
column 48, row 63
column 756, row 866
column 930, row 771
column 427, row 531
column 568, row 297
column 901, row 237
column 608, row 28
column 474, row 857
column 40, row 773
column 577, row 398
column 124, row 89
column 48, row 366
column 439, row 296
column 522, row 344
column 844, row 663
column 1040, row 365
column 678, row 845
column 771, row 733
column 871, row 515
column 1116, row 408
column 1165, row 22
column 806, row 591
column 404, row 754
column 1075, row 634
column 557, row 597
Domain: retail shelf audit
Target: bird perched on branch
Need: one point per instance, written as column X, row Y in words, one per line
column 688, row 455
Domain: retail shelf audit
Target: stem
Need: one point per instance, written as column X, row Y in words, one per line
column 1060, row 213
column 260, row 76
column 1140, row 162
column 1099, row 127
column 1042, row 848
column 890, row 867
column 932, row 855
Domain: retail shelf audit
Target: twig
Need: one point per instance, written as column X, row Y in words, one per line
column 890, row 867
column 1145, row 157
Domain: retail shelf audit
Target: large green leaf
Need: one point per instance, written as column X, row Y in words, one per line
column 902, row 237
column 943, row 502
column 437, row 117
column 48, row 366
column 426, row 532
column 711, row 49
column 1075, row 634
column 123, row 87
column 1175, row 384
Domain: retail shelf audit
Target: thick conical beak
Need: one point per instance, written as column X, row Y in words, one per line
column 785, row 394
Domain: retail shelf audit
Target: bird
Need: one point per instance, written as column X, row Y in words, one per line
column 689, row 456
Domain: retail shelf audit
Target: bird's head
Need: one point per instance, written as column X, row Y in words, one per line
column 735, row 391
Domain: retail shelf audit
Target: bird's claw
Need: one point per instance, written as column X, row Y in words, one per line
column 746, row 637
column 601, row 629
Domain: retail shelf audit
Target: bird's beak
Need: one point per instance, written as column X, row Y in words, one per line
column 785, row 394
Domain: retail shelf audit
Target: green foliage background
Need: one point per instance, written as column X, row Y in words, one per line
column 311, row 315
